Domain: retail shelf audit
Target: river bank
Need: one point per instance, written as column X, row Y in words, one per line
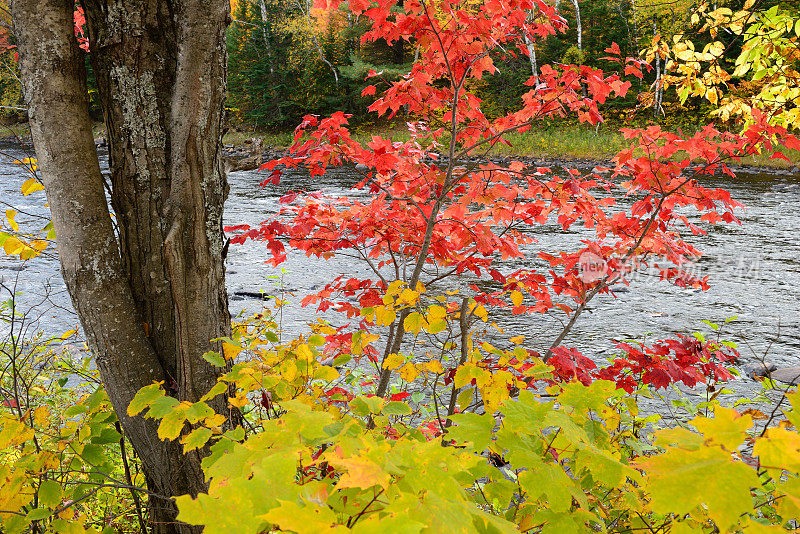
column 555, row 146
column 551, row 145
column 241, row 153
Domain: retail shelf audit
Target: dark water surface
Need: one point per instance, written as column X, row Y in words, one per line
column 754, row 270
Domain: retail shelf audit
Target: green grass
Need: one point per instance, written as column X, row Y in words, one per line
column 564, row 142
column 277, row 140
column 574, row 142
column 556, row 142
column 764, row 161
column 561, row 142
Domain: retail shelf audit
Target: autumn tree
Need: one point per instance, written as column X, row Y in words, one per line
column 440, row 218
column 742, row 62
column 152, row 295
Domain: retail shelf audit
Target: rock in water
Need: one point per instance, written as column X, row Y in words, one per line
column 787, row 375
column 759, row 369
column 250, row 162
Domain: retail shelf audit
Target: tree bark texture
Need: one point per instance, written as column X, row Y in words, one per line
column 151, row 298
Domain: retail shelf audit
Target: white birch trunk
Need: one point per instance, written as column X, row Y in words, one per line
column 531, row 55
column 578, row 25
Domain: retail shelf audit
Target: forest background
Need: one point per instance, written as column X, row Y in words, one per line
column 288, row 59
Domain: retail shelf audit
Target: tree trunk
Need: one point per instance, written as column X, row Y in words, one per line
column 531, row 54
column 149, row 302
column 265, row 24
column 579, row 29
column 578, row 25
column 657, row 83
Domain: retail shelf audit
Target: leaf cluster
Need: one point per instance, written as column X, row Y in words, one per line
column 566, row 458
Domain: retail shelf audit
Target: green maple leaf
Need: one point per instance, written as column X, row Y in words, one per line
column 309, row 519
column 472, row 428
column 551, row 480
column 679, row 481
column 144, row 398
column 196, row 438
column 381, row 524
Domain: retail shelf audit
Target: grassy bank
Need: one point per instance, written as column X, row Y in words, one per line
column 562, row 142
column 565, row 142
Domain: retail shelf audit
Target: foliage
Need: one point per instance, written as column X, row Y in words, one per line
column 763, row 77
column 287, row 60
column 435, row 232
column 63, row 462
column 412, row 411
column 564, row 457
column 11, row 100
column 438, row 220
column 603, row 22
column 717, row 74
column 14, row 241
column 315, row 455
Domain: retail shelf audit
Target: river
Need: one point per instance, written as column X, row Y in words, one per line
column 754, row 270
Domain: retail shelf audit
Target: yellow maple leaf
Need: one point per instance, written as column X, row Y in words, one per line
column 360, row 473
column 434, row 366
column 393, row 361
column 230, row 351
column 31, row 185
column 10, row 214
column 408, row 296
column 13, row 246
column 408, row 372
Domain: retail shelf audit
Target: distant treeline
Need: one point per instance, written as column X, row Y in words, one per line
column 288, row 59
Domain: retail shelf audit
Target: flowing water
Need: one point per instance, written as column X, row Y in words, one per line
column 754, row 270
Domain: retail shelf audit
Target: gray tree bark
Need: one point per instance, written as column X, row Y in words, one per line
column 150, row 301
